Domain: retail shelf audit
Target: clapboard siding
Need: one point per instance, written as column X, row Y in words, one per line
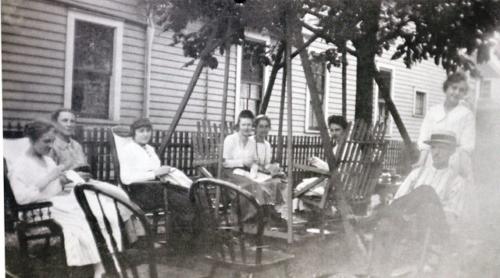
column 127, row 10
column 33, row 48
column 170, row 78
column 33, row 57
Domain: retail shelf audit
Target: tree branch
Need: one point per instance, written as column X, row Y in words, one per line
column 321, row 34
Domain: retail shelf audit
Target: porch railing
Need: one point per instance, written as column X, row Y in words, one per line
column 179, row 152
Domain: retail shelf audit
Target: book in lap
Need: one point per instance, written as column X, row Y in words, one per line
column 256, row 177
column 177, row 177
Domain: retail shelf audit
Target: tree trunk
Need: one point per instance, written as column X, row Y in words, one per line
column 366, row 48
column 364, row 84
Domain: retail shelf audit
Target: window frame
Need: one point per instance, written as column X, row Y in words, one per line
column 115, row 82
column 257, row 38
column 415, row 92
column 326, row 90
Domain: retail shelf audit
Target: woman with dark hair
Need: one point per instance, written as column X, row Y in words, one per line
column 139, row 163
column 35, row 177
column 454, row 116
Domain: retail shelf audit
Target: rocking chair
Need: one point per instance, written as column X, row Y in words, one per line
column 229, row 242
column 30, row 222
column 360, row 159
column 206, row 146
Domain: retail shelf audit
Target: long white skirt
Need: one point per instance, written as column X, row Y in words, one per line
column 79, row 243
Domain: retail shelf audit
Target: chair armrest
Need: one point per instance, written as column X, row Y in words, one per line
column 205, row 162
column 158, row 183
column 33, row 206
column 33, row 212
column 312, row 169
column 143, row 183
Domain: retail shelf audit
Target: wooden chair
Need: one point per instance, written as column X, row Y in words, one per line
column 31, row 222
column 206, row 146
column 119, row 257
column 230, row 243
column 120, row 135
column 360, row 159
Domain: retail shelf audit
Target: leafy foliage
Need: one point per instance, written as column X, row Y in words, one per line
column 448, row 31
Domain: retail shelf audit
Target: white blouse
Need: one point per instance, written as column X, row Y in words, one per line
column 263, row 153
column 24, row 175
column 236, row 153
column 459, row 120
column 137, row 163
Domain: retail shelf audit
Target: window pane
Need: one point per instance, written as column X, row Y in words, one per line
column 93, row 64
column 252, row 76
column 420, row 104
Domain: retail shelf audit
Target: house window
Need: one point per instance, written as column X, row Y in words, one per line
column 485, row 91
column 420, row 104
column 319, row 72
column 252, row 76
column 93, row 66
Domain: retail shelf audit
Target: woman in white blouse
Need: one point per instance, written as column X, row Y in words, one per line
column 453, row 116
column 35, row 177
column 140, row 163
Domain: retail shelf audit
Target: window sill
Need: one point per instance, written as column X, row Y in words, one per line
column 96, row 121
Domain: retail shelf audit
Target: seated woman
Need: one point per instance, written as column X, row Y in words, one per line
column 35, row 177
column 240, row 151
column 139, row 163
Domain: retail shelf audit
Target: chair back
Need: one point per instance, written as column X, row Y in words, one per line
column 12, row 150
column 206, row 145
column 119, row 137
column 106, row 208
column 223, row 220
column 361, row 160
column 15, row 212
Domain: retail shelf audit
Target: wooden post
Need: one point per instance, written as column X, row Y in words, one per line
column 276, row 67
column 224, row 105
column 344, row 80
column 397, row 118
column 213, row 43
column 279, row 155
column 288, row 61
column 272, row 79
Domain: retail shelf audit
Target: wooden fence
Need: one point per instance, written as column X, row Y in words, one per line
column 179, row 152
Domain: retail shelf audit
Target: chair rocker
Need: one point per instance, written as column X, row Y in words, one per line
column 230, row 244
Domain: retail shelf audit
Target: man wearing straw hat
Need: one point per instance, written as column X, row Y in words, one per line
column 427, row 204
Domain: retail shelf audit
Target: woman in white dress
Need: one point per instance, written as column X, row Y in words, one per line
column 454, row 116
column 240, row 151
column 35, row 177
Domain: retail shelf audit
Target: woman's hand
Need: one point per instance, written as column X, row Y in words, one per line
column 163, row 170
column 318, row 163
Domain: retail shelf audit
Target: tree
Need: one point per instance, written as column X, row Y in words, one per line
column 447, row 31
